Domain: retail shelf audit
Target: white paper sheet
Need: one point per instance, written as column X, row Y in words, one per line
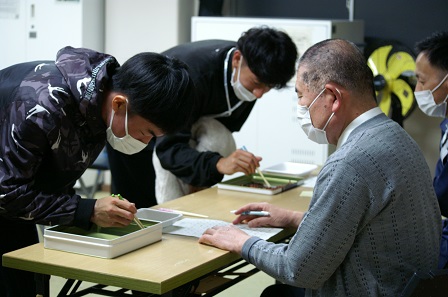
column 310, row 182
column 196, row 227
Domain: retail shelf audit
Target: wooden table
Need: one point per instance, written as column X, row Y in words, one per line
column 165, row 265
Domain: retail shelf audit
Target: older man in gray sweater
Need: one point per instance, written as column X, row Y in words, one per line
column 373, row 219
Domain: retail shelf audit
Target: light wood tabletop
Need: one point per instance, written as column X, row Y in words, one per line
column 162, row 266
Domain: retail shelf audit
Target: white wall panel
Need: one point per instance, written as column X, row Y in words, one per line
column 41, row 28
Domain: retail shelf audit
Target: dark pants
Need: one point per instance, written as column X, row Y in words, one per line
column 133, row 176
column 13, row 282
column 281, row 290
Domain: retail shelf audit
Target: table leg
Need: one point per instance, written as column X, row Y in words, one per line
column 42, row 285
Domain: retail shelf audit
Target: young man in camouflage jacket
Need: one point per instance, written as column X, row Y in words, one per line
column 55, row 118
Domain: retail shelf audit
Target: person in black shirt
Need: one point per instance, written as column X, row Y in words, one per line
column 228, row 76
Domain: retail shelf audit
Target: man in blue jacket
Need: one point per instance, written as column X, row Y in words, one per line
column 431, row 93
column 55, row 118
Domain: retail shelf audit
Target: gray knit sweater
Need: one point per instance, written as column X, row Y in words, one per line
column 373, row 220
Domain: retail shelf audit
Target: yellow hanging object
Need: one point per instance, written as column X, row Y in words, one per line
column 393, row 75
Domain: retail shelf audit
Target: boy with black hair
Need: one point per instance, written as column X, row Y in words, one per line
column 55, row 118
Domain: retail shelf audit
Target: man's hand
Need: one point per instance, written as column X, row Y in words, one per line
column 228, row 238
column 238, row 161
column 113, row 212
column 279, row 217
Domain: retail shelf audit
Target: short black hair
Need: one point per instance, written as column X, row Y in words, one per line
column 435, row 48
column 270, row 54
column 159, row 89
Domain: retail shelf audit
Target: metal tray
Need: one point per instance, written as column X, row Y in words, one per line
column 279, row 184
column 291, row 169
column 166, row 218
column 102, row 242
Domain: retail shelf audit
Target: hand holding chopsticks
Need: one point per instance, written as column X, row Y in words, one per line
column 136, row 220
column 259, row 171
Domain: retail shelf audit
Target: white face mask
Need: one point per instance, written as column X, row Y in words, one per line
column 127, row 145
column 240, row 91
column 313, row 133
column 425, row 100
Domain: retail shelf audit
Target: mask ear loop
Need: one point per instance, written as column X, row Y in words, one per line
column 239, row 72
column 326, row 124
column 443, row 80
column 438, row 86
column 318, row 95
column 239, row 67
column 126, row 119
column 111, row 118
column 339, row 92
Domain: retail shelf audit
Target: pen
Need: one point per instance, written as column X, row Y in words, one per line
column 260, row 213
column 259, row 171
